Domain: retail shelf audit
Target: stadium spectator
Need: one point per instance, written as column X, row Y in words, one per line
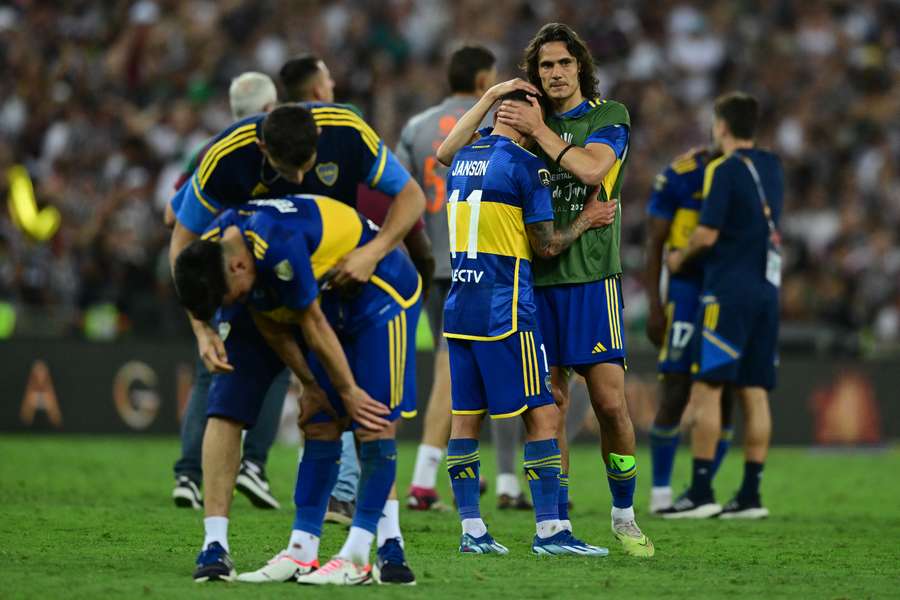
column 126, row 68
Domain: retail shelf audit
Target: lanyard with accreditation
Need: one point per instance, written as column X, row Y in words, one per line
column 773, row 258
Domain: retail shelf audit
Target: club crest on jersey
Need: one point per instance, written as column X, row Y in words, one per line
column 544, row 174
column 327, row 173
column 224, row 330
column 284, row 271
column 259, row 190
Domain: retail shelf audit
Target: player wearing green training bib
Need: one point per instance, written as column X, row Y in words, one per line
column 584, row 143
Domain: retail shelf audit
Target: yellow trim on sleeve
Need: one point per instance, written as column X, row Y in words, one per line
column 710, row 172
column 381, row 164
column 200, row 197
column 218, row 146
column 236, row 139
column 212, row 234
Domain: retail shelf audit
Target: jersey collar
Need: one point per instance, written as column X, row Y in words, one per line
column 574, row 113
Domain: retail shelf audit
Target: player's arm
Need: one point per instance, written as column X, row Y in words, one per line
column 703, row 238
column 657, row 232
column 548, row 241
column 589, row 164
column 322, row 340
column 465, row 130
column 280, row 338
column 419, row 246
column 660, row 213
column 191, row 218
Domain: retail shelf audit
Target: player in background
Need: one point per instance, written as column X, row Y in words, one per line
column 738, row 237
column 354, row 360
column 584, row 144
column 470, row 73
column 673, row 212
column 499, row 213
column 314, row 148
column 249, row 93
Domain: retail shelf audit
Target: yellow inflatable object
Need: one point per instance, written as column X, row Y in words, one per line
column 40, row 225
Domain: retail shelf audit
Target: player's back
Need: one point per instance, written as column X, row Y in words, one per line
column 494, row 188
column 737, row 262
column 297, row 240
column 677, row 198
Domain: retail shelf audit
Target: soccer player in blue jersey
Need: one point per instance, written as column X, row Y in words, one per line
column 673, row 212
column 313, row 148
column 499, row 213
column 278, row 255
column 738, row 322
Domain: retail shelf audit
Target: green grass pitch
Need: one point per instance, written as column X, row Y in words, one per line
column 91, row 518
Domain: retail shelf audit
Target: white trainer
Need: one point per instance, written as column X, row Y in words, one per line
column 338, row 571
column 280, row 569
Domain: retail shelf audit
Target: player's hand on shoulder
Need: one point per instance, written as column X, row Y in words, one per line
column 212, row 350
column 501, row 89
column 600, row 214
column 364, row 409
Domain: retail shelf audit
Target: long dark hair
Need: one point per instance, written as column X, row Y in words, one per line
column 560, row 32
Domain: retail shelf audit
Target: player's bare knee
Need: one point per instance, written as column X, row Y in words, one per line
column 542, row 423
column 466, row 426
column 325, row 432
column 367, row 435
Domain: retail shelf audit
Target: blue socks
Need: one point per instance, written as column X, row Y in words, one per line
column 663, row 446
column 621, row 472
column 542, row 466
column 316, row 477
column 379, row 469
column 563, row 503
column 722, row 449
column 463, row 464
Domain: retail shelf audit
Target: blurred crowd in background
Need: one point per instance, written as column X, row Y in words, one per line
column 103, row 102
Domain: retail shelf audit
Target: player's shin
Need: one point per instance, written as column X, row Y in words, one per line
column 379, row 470
column 542, row 466
column 621, row 473
column 463, row 465
column 316, row 477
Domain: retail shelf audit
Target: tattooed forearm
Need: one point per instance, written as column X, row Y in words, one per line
column 547, row 242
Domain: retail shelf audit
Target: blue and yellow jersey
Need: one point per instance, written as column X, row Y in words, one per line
column 677, row 198
column 736, row 264
column 296, row 240
column 495, row 188
column 348, row 152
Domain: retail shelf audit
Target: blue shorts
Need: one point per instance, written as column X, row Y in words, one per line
column 503, row 378
column 239, row 395
column 383, row 361
column 582, row 323
column 682, row 300
column 739, row 339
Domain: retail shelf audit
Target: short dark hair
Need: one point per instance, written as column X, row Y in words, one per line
column 295, row 75
column 290, row 134
column 560, row 32
column 517, row 95
column 740, row 112
column 200, row 278
column 465, row 64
